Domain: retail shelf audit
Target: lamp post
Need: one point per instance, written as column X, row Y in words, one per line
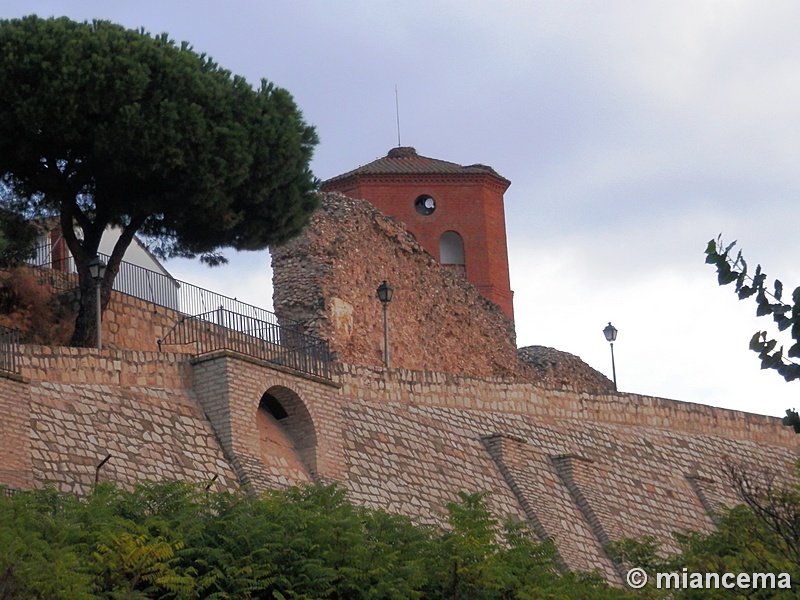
column 611, row 335
column 97, row 269
column 385, row 292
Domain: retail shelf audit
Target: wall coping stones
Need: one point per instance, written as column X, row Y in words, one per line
column 505, row 395
column 261, row 363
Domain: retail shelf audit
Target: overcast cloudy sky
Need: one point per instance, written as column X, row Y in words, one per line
column 632, row 132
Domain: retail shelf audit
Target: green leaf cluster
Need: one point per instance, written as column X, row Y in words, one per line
column 18, row 238
column 734, row 269
column 180, row 542
column 112, row 126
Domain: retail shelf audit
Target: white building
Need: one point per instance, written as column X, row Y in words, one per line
column 140, row 275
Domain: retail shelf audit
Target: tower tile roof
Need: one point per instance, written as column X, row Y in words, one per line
column 404, row 160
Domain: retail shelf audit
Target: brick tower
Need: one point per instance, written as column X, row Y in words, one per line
column 456, row 213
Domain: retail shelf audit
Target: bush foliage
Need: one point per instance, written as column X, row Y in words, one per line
column 174, row 541
column 29, row 304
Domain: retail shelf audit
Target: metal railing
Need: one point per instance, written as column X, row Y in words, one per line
column 150, row 286
column 222, row 329
column 9, row 350
column 238, row 326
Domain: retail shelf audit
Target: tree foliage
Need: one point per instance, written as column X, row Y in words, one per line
column 180, row 542
column 775, row 505
column 769, row 301
column 104, row 126
column 17, row 239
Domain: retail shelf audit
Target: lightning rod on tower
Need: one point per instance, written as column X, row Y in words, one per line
column 397, row 110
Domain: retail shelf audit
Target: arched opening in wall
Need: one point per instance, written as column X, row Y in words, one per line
column 288, row 441
column 451, row 251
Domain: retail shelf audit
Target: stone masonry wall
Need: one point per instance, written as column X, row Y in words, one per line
column 327, row 277
column 583, row 468
column 135, row 406
column 230, row 387
column 545, row 436
column 15, row 465
column 128, row 322
column 501, row 395
column 133, row 324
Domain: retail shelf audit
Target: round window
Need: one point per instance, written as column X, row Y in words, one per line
column 425, row 205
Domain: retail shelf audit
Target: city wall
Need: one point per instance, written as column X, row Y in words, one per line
column 585, row 469
column 459, row 411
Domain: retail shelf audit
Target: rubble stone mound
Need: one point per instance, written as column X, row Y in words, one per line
column 557, row 369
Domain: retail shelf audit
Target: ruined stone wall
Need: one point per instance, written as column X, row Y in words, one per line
column 327, row 277
column 558, row 370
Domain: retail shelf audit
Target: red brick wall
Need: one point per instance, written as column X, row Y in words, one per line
column 470, row 205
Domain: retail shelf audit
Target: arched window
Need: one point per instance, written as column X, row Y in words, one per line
column 451, row 251
column 286, row 433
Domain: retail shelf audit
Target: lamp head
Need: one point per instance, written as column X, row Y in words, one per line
column 610, row 332
column 385, row 292
column 97, row 268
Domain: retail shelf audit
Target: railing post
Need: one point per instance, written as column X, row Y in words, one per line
column 9, row 350
column 221, row 325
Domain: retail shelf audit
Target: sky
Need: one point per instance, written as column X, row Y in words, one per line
column 632, row 134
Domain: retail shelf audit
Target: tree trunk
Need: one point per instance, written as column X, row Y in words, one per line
column 85, row 333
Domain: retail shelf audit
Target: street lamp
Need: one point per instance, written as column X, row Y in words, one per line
column 97, row 269
column 611, row 335
column 385, row 292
